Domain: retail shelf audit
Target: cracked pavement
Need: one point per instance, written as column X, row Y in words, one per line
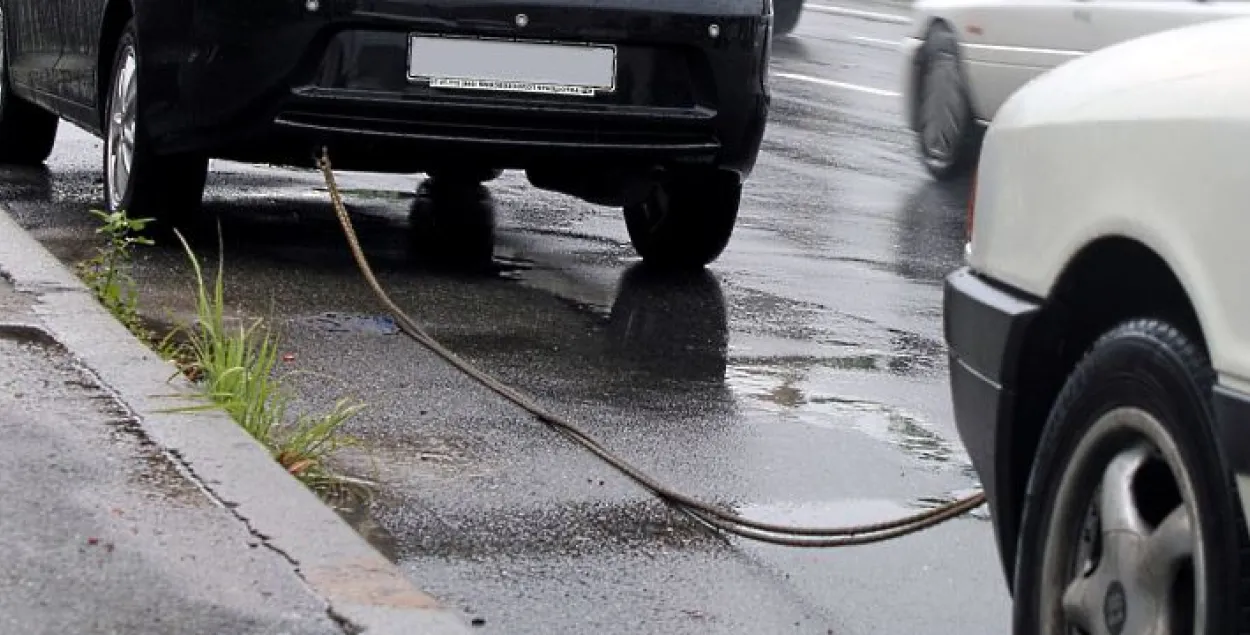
column 102, row 533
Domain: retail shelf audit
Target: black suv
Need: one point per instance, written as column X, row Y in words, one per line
column 658, row 108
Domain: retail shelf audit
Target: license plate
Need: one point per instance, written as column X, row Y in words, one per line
column 511, row 66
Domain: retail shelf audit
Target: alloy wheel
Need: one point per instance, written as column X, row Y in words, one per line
column 1123, row 552
column 121, row 127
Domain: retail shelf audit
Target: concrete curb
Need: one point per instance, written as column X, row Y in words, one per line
column 361, row 587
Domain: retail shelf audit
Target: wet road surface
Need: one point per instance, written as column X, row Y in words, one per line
column 802, row 379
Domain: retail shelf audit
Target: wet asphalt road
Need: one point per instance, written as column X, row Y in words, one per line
column 802, row 379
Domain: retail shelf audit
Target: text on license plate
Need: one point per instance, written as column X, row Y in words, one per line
column 510, row 66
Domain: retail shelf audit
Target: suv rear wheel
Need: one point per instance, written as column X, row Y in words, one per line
column 786, row 14
column 27, row 132
column 166, row 187
column 686, row 221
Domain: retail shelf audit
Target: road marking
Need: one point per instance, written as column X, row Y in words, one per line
column 857, row 38
column 876, row 40
column 843, row 85
column 892, row 18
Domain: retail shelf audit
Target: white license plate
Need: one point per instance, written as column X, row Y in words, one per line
column 510, row 66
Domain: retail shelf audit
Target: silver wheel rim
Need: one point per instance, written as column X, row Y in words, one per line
column 121, row 128
column 1116, row 562
column 942, row 106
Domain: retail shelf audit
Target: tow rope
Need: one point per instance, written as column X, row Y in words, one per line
column 719, row 518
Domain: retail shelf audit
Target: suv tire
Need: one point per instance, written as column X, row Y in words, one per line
column 685, row 222
column 786, row 14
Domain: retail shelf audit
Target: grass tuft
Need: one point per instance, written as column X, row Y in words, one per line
column 236, row 368
column 233, row 365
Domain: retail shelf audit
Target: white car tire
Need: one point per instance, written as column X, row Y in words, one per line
column 947, row 134
column 1131, row 520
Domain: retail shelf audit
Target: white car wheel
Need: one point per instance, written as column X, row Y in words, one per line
column 946, row 132
column 1131, row 521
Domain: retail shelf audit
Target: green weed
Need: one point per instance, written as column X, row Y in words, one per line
column 107, row 273
column 236, row 368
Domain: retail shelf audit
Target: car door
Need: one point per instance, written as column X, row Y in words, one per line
column 35, row 40
column 79, row 21
column 1121, row 20
column 1006, row 43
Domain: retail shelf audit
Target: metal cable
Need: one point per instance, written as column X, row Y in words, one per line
column 716, row 517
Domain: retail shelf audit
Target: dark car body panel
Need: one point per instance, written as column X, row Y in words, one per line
column 1232, row 415
column 985, row 327
column 271, row 80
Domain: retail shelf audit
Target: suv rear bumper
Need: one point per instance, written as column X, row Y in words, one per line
column 338, row 77
column 984, row 327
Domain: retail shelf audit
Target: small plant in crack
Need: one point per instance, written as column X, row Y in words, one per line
column 107, row 273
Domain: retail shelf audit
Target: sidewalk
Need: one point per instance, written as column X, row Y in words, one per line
column 152, row 523
column 100, row 534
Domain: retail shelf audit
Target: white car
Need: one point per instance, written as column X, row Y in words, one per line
column 966, row 57
column 1100, row 338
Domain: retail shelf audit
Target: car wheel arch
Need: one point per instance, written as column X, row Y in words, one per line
column 112, row 23
column 1087, row 300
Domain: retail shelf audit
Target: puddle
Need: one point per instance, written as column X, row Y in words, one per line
column 333, row 322
column 353, row 504
column 850, row 511
column 787, row 392
column 396, row 459
column 371, row 194
column 26, row 334
column 850, row 361
column 899, row 357
column 511, row 267
column 880, row 421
